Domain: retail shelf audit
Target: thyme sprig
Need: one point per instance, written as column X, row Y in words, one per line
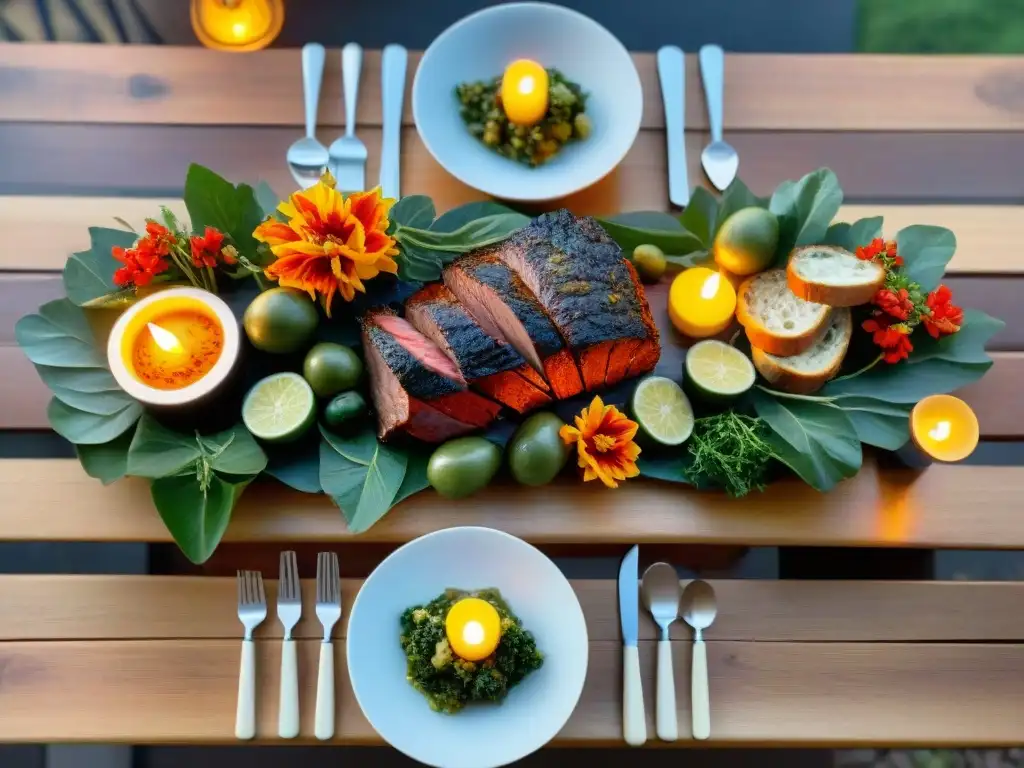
column 728, row 450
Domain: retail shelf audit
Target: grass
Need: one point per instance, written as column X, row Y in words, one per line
column 941, row 26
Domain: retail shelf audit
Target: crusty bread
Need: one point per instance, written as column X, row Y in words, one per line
column 775, row 320
column 827, row 274
column 807, row 372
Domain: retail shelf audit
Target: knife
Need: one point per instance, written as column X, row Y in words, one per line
column 393, row 66
column 634, row 721
column 672, row 76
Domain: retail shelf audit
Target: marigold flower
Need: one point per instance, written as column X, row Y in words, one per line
column 604, row 443
column 897, row 303
column 205, row 249
column 945, row 317
column 894, row 339
column 330, row 243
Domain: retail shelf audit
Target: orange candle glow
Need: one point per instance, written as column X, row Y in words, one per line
column 524, row 92
column 237, row 25
column 944, row 427
column 701, row 302
column 177, row 349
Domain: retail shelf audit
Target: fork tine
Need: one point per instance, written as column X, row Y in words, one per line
column 250, row 588
column 321, row 581
column 261, row 596
column 293, row 570
column 335, row 581
column 240, row 583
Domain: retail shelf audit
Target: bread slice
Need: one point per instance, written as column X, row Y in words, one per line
column 776, row 320
column 807, row 372
column 827, row 274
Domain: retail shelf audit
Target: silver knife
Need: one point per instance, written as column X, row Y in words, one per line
column 634, row 721
column 393, row 67
column 719, row 158
column 672, row 76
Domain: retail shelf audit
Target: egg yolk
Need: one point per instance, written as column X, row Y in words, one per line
column 473, row 628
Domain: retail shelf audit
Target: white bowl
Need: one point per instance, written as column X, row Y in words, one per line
column 481, row 735
column 479, row 47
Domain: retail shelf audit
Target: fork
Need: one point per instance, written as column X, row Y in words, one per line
column 328, row 610
column 289, row 610
column 252, row 610
column 347, row 153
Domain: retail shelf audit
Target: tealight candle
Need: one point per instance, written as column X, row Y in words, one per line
column 173, row 347
column 473, row 627
column 944, row 428
column 524, row 92
column 701, row 302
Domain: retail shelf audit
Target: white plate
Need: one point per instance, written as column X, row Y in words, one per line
column 482, row 735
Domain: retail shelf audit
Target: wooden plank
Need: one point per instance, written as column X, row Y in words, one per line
column 897, row 167
column 955, row 506
column 986, row 234
column 165, row 84
column 181, row 607
column 807, row 694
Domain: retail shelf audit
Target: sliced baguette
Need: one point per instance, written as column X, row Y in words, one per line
column 775, row 320
column 827, row 274
column 807, row 372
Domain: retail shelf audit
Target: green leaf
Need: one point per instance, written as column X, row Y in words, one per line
column 362, row 475
column 267, row 198
column 419, row 265
column 853, row 236
column 89, row 275
column 676, row 241
column 461, row 216
column 415, row 479
column 84, row 428
column 472, row 235
column 908, row 382
column 657, row 220
column 196, row 519
column 805, row 209
column 157, row 451
column 695, row 259
column 925, row 251
column 213, row 201
column 413, row 211
column 671, row 468
column 816, row 440
column 297, row 466
column 701, row 215
column 59, row 336
column 234, row 452
column 965, row 346
column 108, row 461
column 878, row 423
column 736, row 197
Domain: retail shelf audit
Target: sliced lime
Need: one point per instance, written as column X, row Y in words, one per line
column 662, row 410
column 718, row 370
column 279, row 408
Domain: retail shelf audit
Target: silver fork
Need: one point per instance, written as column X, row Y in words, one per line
column 252, row 610
column 347, row 153
column 289, row 610
column 328, row 610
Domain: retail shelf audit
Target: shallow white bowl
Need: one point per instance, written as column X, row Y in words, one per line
column 481, row 735
column 479, row 47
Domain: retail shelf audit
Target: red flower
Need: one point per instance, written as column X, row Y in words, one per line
column 141, row 264
column 880, row 249
column 896, row 304
column 158, row 237
column 893, row 339
column 205, row 249
column 945, row 317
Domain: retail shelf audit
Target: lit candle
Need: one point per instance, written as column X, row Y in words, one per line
column 701, row 302
column 173, row 347
column 944, row 428
column 524, row 92
column 237, row 25
column 473, row 627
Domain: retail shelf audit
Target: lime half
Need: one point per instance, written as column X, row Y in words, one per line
column 717, row 370
column 279, row 408
column 662, row 411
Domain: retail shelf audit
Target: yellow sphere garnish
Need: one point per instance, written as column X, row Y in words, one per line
column 473, row 628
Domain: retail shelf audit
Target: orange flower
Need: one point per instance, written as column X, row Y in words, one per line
column 944, row 316
column 880, row 250
column 205, row 249
column 604, row 443
column 894, row 339
column 330, row 243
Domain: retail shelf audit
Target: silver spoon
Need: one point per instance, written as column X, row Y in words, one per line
column 661, row 591
column 307, row 157
column 719, row 159
column 699, row 611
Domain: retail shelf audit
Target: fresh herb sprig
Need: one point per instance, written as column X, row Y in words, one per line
column 728, row 450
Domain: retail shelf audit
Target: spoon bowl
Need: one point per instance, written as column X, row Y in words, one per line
column 307, row 157
column 661, row 592
column 699, row 609
column 307, row 160
column 699, row 606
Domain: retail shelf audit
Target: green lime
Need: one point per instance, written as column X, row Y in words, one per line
column 344, row 410
column 280, row 320
column 662, row 411
column 332, row 368
column 463, row 466
column 717, row 371
column 279, row 408
column 649, row 261
column 746, row 241
column 536, row 453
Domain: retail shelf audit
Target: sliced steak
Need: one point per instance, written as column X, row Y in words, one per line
column 488, row 364
column 505, row 308
column 590, row 292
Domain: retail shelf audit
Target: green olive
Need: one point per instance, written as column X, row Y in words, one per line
column 649, row 261
column 463, row 466
column 537, row 453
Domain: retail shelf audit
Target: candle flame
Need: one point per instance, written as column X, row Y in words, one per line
column 473, row 632
column 710, row 287
column 164, row 339
column 239, row 29
column 941, row 431
column 526, row 85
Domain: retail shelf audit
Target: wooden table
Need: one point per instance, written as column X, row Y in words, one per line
column 92, row 132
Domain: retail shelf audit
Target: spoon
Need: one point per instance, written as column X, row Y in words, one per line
column 719, row 159
column 699, row 611
column 661, row 591
column 307, row 157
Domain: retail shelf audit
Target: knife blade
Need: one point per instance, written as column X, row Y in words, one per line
column 634, row 720
column 672, row 76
